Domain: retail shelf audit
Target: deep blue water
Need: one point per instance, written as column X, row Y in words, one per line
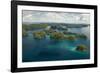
column 51, row 50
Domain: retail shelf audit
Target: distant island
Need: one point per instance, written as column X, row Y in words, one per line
column 69, row 25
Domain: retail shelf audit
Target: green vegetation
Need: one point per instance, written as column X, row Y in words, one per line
column 54, row 34
column 34, row 26
column 69, row 33
column 39, row 34
column 57, row 35
column 25, row 27
column 81, row 48
column 82, row 36
column 70, row 37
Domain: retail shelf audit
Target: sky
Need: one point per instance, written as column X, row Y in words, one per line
column 58, row 17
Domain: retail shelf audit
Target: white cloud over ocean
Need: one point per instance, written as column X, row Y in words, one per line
column 58, row 17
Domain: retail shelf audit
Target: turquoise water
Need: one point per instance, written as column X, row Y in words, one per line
column 51, row 50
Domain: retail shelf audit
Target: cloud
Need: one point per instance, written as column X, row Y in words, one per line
column 41, row 16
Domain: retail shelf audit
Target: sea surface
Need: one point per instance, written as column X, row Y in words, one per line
column 52, row 50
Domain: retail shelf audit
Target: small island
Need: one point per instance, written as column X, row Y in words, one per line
column 81, row 48
column 39, row 34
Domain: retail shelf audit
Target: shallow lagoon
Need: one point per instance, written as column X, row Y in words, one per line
column 51, row 50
